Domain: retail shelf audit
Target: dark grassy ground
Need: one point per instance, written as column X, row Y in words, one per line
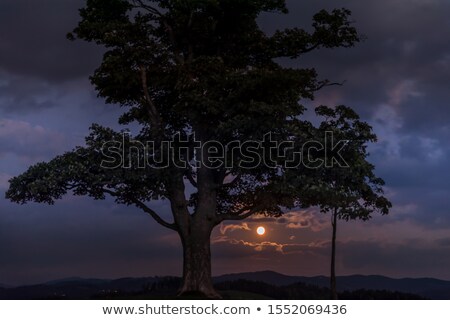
column 254, row 290
column 166, row 288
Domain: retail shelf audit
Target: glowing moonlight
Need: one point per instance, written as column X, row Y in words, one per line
column 261, row 231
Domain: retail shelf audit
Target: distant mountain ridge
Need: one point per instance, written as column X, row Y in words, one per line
column 429, row 288
column 79, row 288
column 76, row 279
column 5, row 286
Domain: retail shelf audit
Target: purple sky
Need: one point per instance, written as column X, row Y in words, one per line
column 397, row 80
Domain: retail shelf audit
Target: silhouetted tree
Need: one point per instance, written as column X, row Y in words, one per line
column 198, row 68
column 350, row 191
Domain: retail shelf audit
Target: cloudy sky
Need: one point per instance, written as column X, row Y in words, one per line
column 398, row 80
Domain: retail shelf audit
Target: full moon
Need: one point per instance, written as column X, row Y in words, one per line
column 261, row 231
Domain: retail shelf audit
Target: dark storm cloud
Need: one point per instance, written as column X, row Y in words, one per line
column 417, row 175
column 36, row 59
column 33, row 40
column 19, row 93
column 404, row 63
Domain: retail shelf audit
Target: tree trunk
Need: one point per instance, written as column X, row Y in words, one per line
column 195, row 233
column 197, row 264
column 334, row 295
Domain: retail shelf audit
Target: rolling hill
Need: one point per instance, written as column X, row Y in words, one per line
column 427, row 287
column 264, row 284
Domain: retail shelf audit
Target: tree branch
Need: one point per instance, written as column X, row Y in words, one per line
column 234, row 181
column 155, row 118
column 153, row 112
column 178, row 55
column 150, row 9
column 146, row 209
column 242, row 214
column 73, row 186
column 313, row 47
column 327, row 83
column 191, row 179
column 155, row 216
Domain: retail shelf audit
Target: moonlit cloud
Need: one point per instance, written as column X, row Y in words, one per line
column 306, row 219
column 224, row 228
column 271, row 246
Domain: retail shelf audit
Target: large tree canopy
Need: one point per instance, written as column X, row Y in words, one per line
column 203, row 70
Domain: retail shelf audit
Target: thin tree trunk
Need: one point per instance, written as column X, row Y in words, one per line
column 197, row 264
column 334, row 294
